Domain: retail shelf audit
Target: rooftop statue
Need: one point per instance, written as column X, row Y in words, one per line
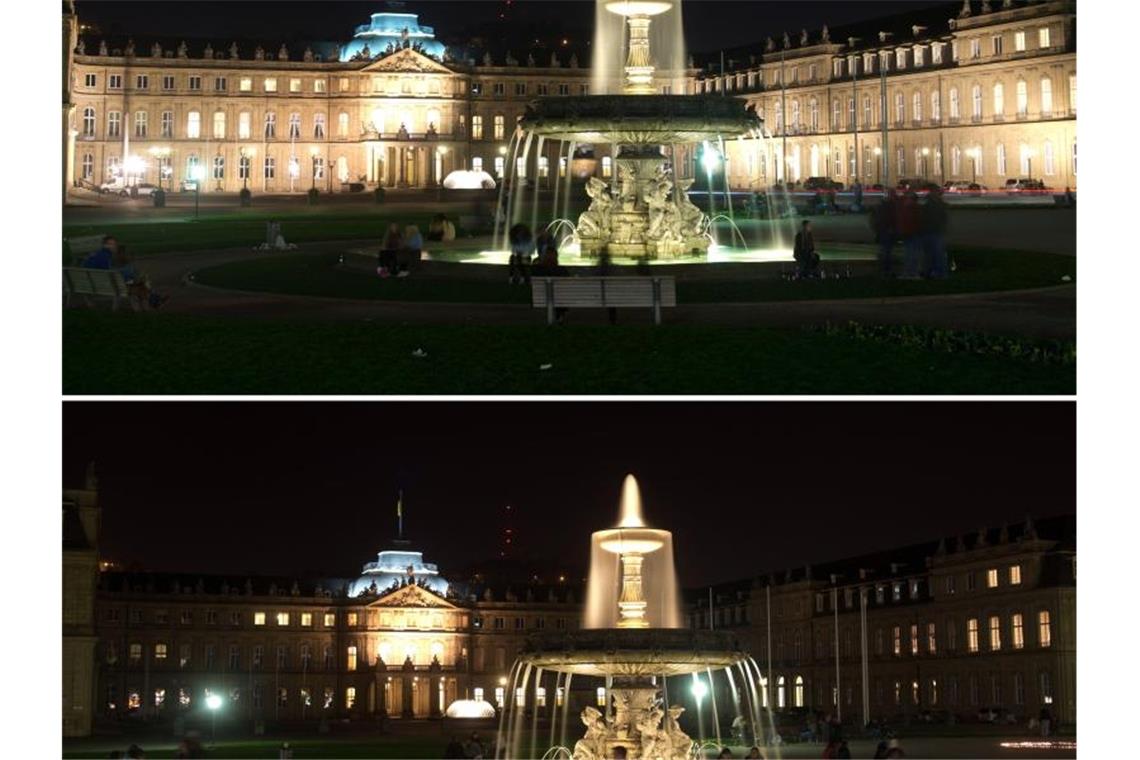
column 573, row 60
column 259, row 54
column 787, row 41
column 511, row 60
column 986, row 7
column 81, row 47
column 233, row 51
column 182, row 49
column 283, row 53
column 803, row 38
column 769, row 45
column 826, row 35
column 156, row 50
column 530, row 60
column 130, row 48
column 554, row 62
column 308, row 56
column 102, row 47
column 208, row 53
column 487, row 60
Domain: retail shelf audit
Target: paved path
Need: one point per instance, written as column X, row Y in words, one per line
column 1042, row 313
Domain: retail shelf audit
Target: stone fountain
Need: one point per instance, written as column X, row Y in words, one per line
column 646, row 213
column 635, row 658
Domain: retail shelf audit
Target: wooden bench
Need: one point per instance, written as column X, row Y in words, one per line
column 96, row 283
column 82, row 247
column 553, row 293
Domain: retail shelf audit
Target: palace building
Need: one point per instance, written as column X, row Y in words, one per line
column 981, row 91
column 963, row 625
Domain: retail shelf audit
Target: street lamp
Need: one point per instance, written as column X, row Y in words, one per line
column 294, row 171
column 247, row 155
column 1028, row 153
column 699, row 692
column 133, row 166
column 315, row 152
column 974, row 162
column 925, row 154
column 214, row 703
column 879, row 166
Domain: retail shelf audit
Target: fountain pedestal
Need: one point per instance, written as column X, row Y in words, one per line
column 640, row 724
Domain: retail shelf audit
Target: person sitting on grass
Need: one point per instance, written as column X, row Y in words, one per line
column 807, row 258
column 390, row 251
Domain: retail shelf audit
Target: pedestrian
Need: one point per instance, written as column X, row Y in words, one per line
column 473, row 749
column 522, row 252
column 390, row 251
column 285, row 753
column 454, row 750
column 907, row 223
column 934, row 220
column 857, row 190
column 1046, row 720
column 844, row 752
column 883, row 224
column 805, row 254
column 412, row 250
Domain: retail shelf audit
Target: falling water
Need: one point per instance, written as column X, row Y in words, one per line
column 537, row 176
column 565, row 707
column 534, row 713
column 712, row 701
column 511, row 145
column 609, row 51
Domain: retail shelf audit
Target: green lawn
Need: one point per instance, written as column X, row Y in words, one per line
column 319, row 275
column 395, row 747
column 124, row 353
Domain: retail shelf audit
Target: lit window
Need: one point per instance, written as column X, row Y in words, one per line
column 500, row 127
column 499, row 695
column 1018, row 631
column 995, row 633
column 160, row 651
column 353, row 618
column 351, row 658
column 244, row 128
column 343, row 84
column 282, row 618
column 476, row 127
column 798, row 692
column 320, row 85
column 193, row 125
column 477, row 166
column 976, row 96
column 1046, row 96
column 975, row 48
column 159, row 698
column 135, row 652
column 167, row 124
column 342, row 125
column 330, row 620
column 607, row 167
column 271, row 84
column 897, row 639
column 972, row 635
column 306, row 619
column 1015, row 575
column 999, row 99
column 914, row 639
column 1050, row 167
column 1001, row 160
column 931, row 638
column 1019, row 42
column 219, row 125
column 1044, row 630
column 294, row 85
column 349, row 697
column 259, row 618
column 245, row 84
column 1043, row 39
column 992, row 578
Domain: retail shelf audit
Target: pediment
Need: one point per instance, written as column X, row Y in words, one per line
column 412, row 596
column 408, row 61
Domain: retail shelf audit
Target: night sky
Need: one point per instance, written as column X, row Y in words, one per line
column 310, row 489
column 710, row 25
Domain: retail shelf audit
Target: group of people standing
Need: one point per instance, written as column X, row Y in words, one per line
column 920, row 227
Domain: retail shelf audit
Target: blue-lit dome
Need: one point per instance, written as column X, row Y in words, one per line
column 392, row 30
column 396, row 567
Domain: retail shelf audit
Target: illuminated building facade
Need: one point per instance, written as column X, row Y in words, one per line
column 987, row 93
column 957, row 627
column 80, row 571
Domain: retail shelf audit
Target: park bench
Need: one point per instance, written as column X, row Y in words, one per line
column 91, row 284
column 81, row 247
column 553, row 293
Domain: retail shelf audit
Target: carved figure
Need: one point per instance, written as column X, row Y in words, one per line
column 233, row 51
column 182, row 49
column 156, row 50
column 679, row 742
column 692, row 220
column 595, row 222
column 592, row 746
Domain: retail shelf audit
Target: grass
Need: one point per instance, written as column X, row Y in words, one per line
column 318, row 275
column 116, row 353
column 247, row 228
column 396, row 747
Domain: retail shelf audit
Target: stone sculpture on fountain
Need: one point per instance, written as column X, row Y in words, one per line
column 596, row 221
column 592, row 746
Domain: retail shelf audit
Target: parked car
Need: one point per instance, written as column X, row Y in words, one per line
column 917, row 185
column 964, row 188
column 815, row 184
column 111, row 186
column 995, row 715
column 1024, row 186
column 143, row 189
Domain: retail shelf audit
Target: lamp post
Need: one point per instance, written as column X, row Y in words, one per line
column 974, row 163
column 315, row 152
column 214, row 703
column 294, row 172
column 879, row 166
column 925, row 154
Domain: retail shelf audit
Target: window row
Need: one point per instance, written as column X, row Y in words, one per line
column 193, row 83
column 184, row 698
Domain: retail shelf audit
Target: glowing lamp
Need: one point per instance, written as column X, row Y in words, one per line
column 198, row 172
column 699, row 689
column 710, row 159
column 213, row 701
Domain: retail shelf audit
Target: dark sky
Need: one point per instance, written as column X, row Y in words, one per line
column 309, row 489
column 710, row 25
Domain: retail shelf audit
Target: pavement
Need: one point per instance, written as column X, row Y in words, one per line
column 1042, row 313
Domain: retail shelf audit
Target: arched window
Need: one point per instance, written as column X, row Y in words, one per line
column 955, row 106
column 1024, row 153
column 88, row 166
column 813, row 114
column 781, row 696
column 936, row 105
column 900, row 108
column 976, row 94
column 319, row 126
column 814, row 158
column 342, row 124
column 88, row 122
column 245, row 163
column 342, row 169
column 294, row 126
column 955, row 161
column 795, row 122
column 798, row 694
column 219, row 125
column 1050, row 163
column 999, row 100
column 917, row 107
column 919, row 164
column 219, row 167
column 1001, row 160
column 1046, row 96
column 1022, row 98
column 244, row 128
column 270, row 125
column 977, row 155
column 866, row 111
column 193, row 125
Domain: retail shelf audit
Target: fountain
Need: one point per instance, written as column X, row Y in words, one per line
column 646, row 213
column 632, row 637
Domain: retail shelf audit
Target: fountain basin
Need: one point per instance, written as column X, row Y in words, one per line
column 638, row 7
column 639, row 119
column 632, row 652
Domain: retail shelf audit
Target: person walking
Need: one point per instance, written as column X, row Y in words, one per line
column 907, row 221
column 935, row 219
column 883, row 224
column 522, row 251
column 807, row 258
